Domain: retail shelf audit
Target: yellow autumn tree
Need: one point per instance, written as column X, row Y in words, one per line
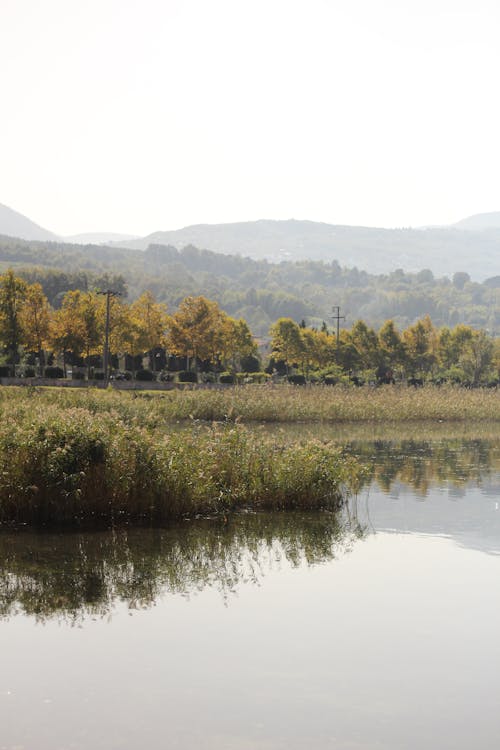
column 194, row 328
column 149, row 322
column 35, row 317
column 78, row 326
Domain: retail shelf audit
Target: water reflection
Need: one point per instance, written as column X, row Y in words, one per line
column 422, row 464
column 76, row 575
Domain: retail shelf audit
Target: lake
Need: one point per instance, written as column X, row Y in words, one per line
column 373, row 628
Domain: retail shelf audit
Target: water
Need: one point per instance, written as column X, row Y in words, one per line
column 373, row 628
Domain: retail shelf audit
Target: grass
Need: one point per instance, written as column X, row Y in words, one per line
column 279, row 404
column 62, row 463
column 108, row 456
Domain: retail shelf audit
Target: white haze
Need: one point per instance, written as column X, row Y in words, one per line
column 140, row 115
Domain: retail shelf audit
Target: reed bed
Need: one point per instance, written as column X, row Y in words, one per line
column 279, row 404
column 61, row 464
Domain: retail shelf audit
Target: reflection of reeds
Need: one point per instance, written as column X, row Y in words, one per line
column 278, row 404
column 61, row 463
column 71, row 575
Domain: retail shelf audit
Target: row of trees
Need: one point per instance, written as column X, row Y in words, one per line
column 260, row 291
column 422, row 351
column 198, row 330
column 201, row 332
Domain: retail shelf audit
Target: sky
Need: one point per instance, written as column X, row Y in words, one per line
column 142, row 115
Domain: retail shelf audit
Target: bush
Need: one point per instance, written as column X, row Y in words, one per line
column 29, row 372
column 166, row 377
column 297, row 379
column 5, row 371
column 145, row 375
column 187, row 377
column 78, row 375
column 250, row 363
column 330, row 380
column 98, row 375
column 226, row 377
column 54, row 372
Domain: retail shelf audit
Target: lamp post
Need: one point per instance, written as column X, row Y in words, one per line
column 108, row 293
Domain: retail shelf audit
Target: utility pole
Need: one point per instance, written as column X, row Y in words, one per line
column 108, row 293
column 338, row 317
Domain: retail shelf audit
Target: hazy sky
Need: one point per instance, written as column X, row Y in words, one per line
column 139, row 115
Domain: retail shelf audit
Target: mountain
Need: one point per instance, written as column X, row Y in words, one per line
column 100, row 238
column 443, row 250
column 479, row 222
column 15, row 224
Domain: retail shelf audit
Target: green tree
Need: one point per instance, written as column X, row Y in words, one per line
column 286, row 341
column 12, row 295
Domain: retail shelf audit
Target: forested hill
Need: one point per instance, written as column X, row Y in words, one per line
column 442, row 249
column 258, row 290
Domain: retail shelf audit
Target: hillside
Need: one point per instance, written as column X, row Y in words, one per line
column 480, row 222
column 444, row 250
column 471, row 245
column 257, row 290
column 15, row 224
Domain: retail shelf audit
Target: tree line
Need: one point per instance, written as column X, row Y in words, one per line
column 421, row 352
column 199, row 330
column 260, row 291
column 204, row 335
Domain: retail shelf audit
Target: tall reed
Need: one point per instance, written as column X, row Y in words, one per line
column 62, row 465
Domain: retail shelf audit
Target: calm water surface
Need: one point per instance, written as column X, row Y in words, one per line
column 377, row 627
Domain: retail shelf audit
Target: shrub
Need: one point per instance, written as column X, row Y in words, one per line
column 5, row 371
column 29, row 372
column 297, row 379
column 226, row 377
column 250, row 363
column 54, row 372
column 98, row 375
column 145, row 375
column 78, row 375
column 185, row 376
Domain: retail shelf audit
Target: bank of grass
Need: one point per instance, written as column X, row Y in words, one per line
column 278, row 404
column 64, row 464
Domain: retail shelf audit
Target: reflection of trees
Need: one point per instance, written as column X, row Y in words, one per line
column 72, row 575
column 419, row 464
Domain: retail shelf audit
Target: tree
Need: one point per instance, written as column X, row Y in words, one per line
column 35, row 318
column 421, row 343
column 67, row 330
column 366, row 342
column 12, row 293
column 237, row 341
column 391, row 345
column 149, row 321
column 193, row 327
column 286, row 341
column 477, row 357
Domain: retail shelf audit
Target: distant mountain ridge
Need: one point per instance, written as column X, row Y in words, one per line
column 15, row 224
column 479, row 222
column 443, row 250
column 471, row 245
column 99, row 238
